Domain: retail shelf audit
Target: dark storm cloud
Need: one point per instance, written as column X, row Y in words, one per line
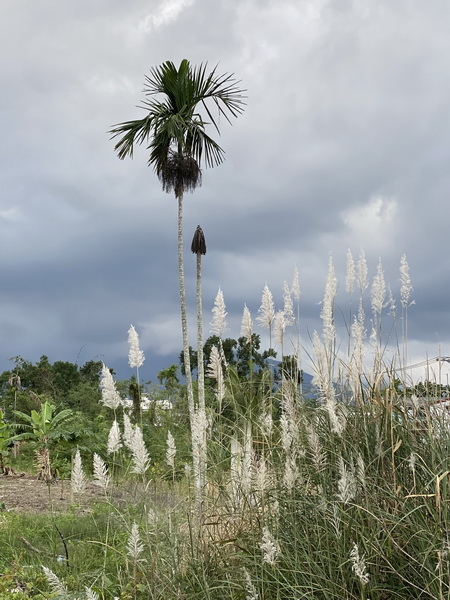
column 343, row 144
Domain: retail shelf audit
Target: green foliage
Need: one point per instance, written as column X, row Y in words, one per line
column 62, row 383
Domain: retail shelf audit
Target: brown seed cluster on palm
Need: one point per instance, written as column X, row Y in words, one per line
column 180, row 173
column 198, row 245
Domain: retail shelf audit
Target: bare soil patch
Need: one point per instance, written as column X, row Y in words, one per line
column 25, row 493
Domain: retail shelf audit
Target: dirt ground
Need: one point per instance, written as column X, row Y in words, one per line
column 24, row 493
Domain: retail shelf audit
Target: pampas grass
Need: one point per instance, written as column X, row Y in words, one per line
column 338, row 496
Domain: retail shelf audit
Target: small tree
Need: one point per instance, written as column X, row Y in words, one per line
column 45, row 427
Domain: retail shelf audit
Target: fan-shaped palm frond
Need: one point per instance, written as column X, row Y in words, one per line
column 174, row 127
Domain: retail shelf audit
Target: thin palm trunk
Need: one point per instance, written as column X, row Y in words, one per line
column 184, row 328
column 201, row 373
column 194, row 422
column 200, row 364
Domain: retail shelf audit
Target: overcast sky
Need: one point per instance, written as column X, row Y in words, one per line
column 344, row 144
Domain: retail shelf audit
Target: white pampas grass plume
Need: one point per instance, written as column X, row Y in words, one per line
column 266, row 312
column 250, row 589
column 261, row 478
column 358, row 565
column 219, row 323
column 279, row 327
column 361, row 471
column 405, row 280
column 78, row 478
column 56, row 585
column 329, row 331
column 291, row 472
column 101, row 477
column 265, row 422
column 128, row 431
column 269, row 547
column 215, row 371
column 351, row 276
column 295, row 288
column 288, row 308
column 247, row 325
column 346, row 483
column 171, row 450
column 378, row 291
column 114, row 442
column 110, row 396
column 362, row 272
column 141, row 459
column 134, row 546
column 135, row 355
column 90, row 594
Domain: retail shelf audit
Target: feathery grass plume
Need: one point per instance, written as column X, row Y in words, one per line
column 346, row 483
column 269, row 547
column 128, row 431
column 90, row 594
column 261, row 478
column 289, row 421
column 362, row 272
column 295, row 288
column 171, row 450
column 290, row 472
column 78, row 478
column 326, row 314
column 250, row 589
column 288, row 308
column 361, row 471
column 351, row 274
column 134, row 546
column 405, row 280
column 219, row 323
column 279, row 326
column 359, row 565
column 135, row 355
column 114, row 441
column 141, row 459
column 215, row 371
column 56, row 585
column 101, row 477
column 110, row 396
column 247, row 325
column 358, row 334
column 266, row 312
column 265, row 422
column 378, row 291
column 315, row 447
column 322, row 380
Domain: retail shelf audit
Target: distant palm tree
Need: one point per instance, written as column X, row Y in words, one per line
column 175, row 131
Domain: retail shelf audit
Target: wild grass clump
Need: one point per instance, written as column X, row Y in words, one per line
column 343, row 495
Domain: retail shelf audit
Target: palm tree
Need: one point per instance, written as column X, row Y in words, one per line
column 175, row 130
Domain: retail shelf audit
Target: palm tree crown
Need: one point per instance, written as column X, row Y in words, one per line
column 174, row 126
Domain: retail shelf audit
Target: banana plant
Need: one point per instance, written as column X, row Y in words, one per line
column 44, row 427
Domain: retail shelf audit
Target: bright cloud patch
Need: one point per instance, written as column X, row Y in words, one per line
column 370, row 220
column 164, row 14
